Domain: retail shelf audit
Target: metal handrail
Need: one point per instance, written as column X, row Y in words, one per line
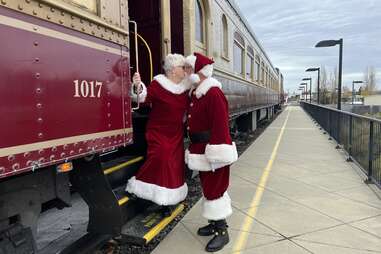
column 359, row 135
column 346, row 112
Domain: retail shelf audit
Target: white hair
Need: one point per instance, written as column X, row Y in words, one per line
column 173, row 60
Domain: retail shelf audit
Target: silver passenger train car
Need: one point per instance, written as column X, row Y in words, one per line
column 106, row 40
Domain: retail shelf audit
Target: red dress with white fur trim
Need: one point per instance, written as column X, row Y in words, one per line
column 209, row 112
column 161, row 179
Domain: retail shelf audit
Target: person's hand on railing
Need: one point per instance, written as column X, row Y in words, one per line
column 137, row 83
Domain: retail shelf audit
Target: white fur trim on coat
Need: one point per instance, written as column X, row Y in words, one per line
column 222, row 153
column 217, row 209
column 170, row 86
column 205, row 85
column 207, row 70
column 199, row 162
column 142, row 95
column 155, row 193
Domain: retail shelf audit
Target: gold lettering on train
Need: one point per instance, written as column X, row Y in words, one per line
column 85, row 89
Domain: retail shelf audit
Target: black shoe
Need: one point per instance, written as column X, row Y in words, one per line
column 220, row 239
column 207, row 230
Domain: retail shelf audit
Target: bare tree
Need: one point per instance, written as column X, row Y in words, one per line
column 332, row 85
column 370, row 80
column 323, row 85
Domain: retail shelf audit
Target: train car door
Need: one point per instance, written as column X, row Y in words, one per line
column 146, row 13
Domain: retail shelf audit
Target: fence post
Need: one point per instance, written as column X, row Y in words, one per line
column 329, row 125
column 370, row 166
column 338, row 129
column 350, row 142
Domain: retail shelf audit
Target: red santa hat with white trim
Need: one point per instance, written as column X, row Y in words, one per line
column 201, row 63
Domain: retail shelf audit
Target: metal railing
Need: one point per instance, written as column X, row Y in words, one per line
column 359, row 135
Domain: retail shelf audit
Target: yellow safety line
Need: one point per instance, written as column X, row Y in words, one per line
column 249, row 219
column 122, row 201
column 115, row 168
column 156, row 230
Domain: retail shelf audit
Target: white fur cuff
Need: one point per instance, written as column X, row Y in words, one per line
column 200, row 162
column 197, row 161
column 155, row 193
column 142, row 95
column 223, row 153
column 217, row 209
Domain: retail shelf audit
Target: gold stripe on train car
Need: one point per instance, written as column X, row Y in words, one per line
column 59, row 142
column 68, row 15
column 156, row 230
column 122, row 165
column 15, row 23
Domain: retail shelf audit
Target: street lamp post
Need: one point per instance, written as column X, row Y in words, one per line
column 353, row 89
column 310, row 79
column 331, row 43
column 301, row 89
column 318, row 82
column 304, row 86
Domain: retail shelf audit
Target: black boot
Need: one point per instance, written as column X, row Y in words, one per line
column 221, row 237
column 207, row 230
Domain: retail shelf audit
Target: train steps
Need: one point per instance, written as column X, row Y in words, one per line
column 101, row 183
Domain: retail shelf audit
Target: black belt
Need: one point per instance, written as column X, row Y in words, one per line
column 199, row 137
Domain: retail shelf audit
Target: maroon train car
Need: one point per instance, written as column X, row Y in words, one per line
column 64, row 95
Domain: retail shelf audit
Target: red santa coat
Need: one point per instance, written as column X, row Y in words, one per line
column 161, row 178
column 208, row 111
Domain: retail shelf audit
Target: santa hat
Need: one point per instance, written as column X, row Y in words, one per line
column 201, row 63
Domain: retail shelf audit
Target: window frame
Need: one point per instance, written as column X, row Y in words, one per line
column 257, row 72
column 201, row 44
column 250, row 57
column 225, row 37
column 84, row 8
column 240, row 45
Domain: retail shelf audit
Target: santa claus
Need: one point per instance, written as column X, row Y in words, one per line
column 161, row 179
column 211, row 150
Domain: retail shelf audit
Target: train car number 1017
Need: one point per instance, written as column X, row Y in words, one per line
column 85, row 89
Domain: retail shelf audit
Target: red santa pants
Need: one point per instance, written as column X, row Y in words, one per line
column 215, row 183
column 216, row 204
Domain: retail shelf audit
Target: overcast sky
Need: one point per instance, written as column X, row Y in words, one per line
column 288, row 31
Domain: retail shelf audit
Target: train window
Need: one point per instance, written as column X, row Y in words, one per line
column 239, row 53
column 199, row 22
column 250, row 63
column 225, row 39
column 87, row 5
column 262, row 73
column 257, row 68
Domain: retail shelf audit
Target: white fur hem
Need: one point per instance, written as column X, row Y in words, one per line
column 142, row 95
column 155, row 193
column 170, row 86
column 205, row 85
column 207, row 70
column 199, row 162
column 217, row 209
column 222, row 153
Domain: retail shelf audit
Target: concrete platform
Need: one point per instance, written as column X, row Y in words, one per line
column 292, row 192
